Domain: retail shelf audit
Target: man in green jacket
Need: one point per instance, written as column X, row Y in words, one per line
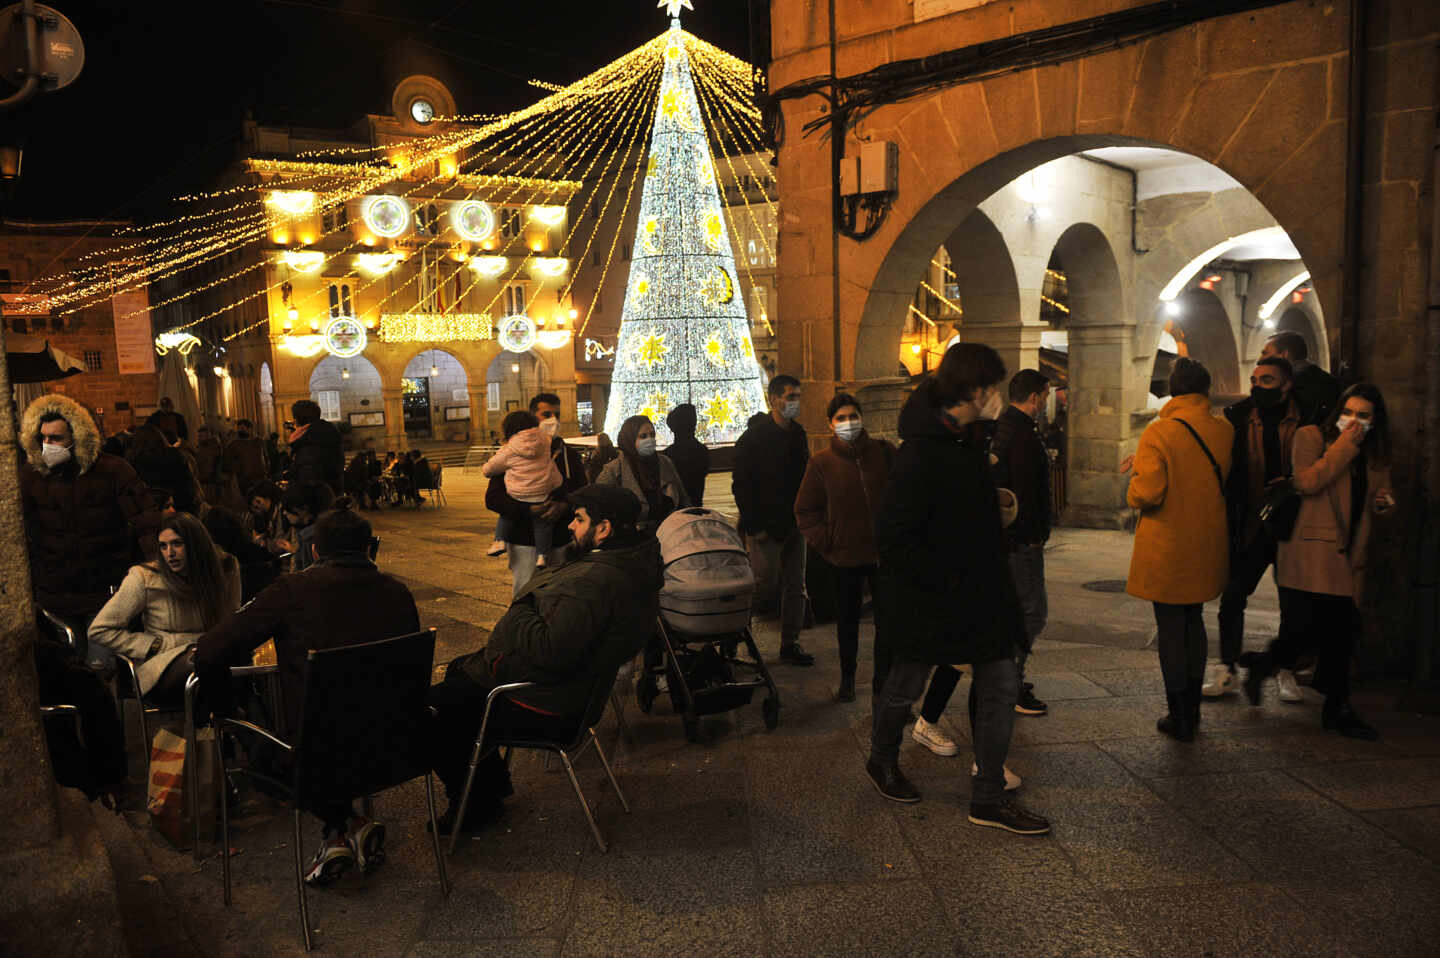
column 569, row 628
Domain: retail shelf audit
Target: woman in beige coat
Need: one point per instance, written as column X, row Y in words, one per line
column 1180, row 559
column 1342, row 472
column 188, row 590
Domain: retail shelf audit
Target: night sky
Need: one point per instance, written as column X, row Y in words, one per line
column 157, row 110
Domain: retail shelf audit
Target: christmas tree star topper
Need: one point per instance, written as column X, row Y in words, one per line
column 673, row 7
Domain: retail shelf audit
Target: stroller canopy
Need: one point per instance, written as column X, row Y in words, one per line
column 690, row 532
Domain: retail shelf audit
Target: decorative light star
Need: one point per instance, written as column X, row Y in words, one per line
column 719, row 411
column 651, row 243
column 747, row 347
column 714, row 230
column 673, row 7
column 642, row 288
column 715, row 350
column 670, row 103
column 652, row 350
column 655, row 405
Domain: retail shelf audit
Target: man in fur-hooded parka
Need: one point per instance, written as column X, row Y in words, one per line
column 85, row 518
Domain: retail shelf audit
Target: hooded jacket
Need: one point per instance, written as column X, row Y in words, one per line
column 945, row 591
column 530, row 474
column 1023, row 466
column 619, row 473
column 838, row 506
column 769, row 467
column 317, row 455
column 522, row 529
column 574, row 625
column 86, row 520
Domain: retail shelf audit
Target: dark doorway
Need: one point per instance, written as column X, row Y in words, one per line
column 415, row 401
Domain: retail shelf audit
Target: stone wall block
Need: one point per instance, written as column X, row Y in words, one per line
column 1169, row 70
column 1277, row 34
column 1396, row 21
column 1391, row 221
column 1408, row 140
column 1338, row 84
column 1395, row 76
column 962, row 110
column 1058, row 87
column 1313, row 174
column 1288, row 114
column 1221, row 104
column 1013, row 113
column 1102, row 101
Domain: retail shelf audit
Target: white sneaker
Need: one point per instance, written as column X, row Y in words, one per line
column 1219, row 680
column 1012, row 781
column 1289, row 688
column 932, row 738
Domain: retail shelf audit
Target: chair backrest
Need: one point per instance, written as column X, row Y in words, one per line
column 363, row 721
column 438, row 475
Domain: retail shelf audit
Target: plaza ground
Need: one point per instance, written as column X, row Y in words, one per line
column 1265, row 836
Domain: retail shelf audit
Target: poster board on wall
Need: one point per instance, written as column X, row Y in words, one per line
column 134, row 341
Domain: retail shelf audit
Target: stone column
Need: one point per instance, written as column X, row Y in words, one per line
column 394, row 419
column 1017, row 344
column 1099, row 426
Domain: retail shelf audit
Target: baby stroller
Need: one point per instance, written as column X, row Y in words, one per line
column 704, row 619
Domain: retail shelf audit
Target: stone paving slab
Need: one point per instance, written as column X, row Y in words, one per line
column 1267, row 835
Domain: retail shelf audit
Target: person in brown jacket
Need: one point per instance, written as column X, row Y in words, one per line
column 1181, row 555
column 1342, row 472
column 836, row 510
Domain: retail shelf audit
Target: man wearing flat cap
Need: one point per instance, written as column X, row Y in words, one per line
column 568, row 628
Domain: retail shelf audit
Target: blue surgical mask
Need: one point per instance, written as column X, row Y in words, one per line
column 645, row 447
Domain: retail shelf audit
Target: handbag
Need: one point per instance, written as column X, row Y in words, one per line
column 1280, row 510
column 169, row 807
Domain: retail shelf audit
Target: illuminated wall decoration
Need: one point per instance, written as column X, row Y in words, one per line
column 387, row 216
column 473, row 220
column 517, row 333
column 684, row 335
column 303, row 260
column 377, row 264
column 436, row 327
column 294, row 202
column 181, row 342
column 344, row 337
column 488, row 265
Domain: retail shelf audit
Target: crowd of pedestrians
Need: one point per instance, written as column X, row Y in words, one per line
column 151, row 551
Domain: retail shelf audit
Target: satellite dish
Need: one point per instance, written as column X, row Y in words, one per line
column 62, row 52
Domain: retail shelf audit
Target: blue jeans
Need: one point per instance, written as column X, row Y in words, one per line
column 544, row 532
column 996, row 686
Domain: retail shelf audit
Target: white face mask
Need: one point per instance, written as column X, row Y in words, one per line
column 849, row 430
column 790, row 409
column 993, row 407
column 54, row 455
column 1344, row 422
column 645, row 447
column 550, row 426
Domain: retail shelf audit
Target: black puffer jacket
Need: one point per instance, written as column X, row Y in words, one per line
column 945, row 590
column 572, row 626
column 317, row 455
column 1023, row 466
column 769, row 467
column 86, row 521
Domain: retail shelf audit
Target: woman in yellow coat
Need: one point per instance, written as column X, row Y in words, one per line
column 1342, row 473
column 1180, row 559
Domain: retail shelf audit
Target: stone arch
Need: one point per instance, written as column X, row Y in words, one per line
column 1202, row 329
column 517, row 386
column 1298, row 319
column 355, row 385
column 447, row 387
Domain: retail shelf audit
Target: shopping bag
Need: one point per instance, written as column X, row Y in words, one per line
column 170, row 812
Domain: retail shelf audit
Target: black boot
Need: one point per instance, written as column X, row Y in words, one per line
column 1260, row 666
column 1177, row 722
column 891, row 782
column 1340, row 717
column 847, row 688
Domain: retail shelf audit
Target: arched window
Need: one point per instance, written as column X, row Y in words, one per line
column 341, row 303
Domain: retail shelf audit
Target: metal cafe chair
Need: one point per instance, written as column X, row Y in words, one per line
column 364, row 728
column 568, row 747
column 436, row 485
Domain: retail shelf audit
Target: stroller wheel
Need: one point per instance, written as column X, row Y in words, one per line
column 770, row 709
column 692, row 728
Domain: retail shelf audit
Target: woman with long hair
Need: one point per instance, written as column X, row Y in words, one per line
column 648, row 474
column 189, row 589
column 1342, row 473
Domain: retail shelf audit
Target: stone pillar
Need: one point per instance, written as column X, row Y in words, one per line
column 1099, row 426
column 57, row 893
column 1017, row 344
column 394, row 419
column 880, row 403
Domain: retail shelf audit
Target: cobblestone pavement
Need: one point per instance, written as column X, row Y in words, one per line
column 1265, row 836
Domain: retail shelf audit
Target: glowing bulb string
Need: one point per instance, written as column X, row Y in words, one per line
column 637, row 94
column 713, row 121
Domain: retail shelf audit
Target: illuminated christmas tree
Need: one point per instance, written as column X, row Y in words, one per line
column 684, row 335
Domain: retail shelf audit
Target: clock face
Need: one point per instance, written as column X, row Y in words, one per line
column 421, row 111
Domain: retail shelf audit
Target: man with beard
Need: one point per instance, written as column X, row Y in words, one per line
column 568, row 628
column 1265, row 426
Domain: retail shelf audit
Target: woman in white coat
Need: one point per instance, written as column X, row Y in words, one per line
column 189, row 589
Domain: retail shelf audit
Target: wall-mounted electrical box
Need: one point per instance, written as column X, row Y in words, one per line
column 875, row 170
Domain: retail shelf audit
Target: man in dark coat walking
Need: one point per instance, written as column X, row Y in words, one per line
column 770, row 460
column 945, row 588
column 315, row 447
column 1022, row 465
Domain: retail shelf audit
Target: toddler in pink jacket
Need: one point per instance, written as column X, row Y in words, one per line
column 530, row 475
